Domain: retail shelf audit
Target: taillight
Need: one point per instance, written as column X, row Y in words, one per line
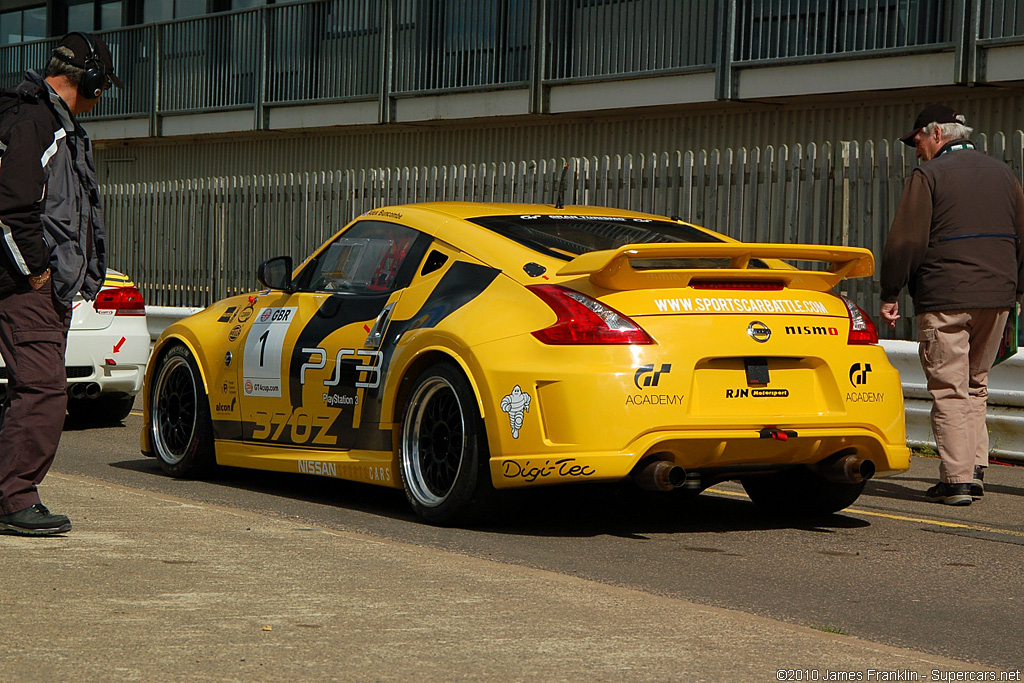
column 583, row 320
column 862, row 327
column 120, row 300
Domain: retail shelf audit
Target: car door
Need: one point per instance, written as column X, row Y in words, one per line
column 311, row 356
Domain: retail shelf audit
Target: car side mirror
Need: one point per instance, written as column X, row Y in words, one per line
column 276, row 273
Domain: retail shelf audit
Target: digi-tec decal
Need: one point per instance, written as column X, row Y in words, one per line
column 261, row 367
column 516, row 405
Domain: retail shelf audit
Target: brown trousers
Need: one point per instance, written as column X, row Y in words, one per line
column 957, row 349
column 33, row 336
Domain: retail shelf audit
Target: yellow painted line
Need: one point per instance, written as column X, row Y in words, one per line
column 902, row 518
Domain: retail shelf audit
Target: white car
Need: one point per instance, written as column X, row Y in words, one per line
column 107, row 352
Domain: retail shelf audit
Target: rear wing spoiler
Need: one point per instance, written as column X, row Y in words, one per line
column 613, row 269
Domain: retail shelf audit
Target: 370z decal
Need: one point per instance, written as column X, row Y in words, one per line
column 296, row 427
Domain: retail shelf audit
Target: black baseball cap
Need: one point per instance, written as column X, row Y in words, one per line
column 79, row 47
column 933, row 113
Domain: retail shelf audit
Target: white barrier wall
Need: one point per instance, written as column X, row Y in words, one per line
column 1005, row 401
column 1005, row 390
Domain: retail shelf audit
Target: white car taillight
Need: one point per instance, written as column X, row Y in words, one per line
column 862, row 328
column 121, row 300
column 584, row 320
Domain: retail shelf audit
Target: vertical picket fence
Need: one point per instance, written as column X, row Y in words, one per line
column 191, row 242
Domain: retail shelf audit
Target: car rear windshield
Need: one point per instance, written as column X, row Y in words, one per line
column 566, row 237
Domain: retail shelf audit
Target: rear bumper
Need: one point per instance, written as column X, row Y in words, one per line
column 725, row 453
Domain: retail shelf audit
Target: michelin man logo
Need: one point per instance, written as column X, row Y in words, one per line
column 515, row 404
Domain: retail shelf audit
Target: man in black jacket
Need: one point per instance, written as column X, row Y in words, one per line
column 957, row 242
column 53, row 246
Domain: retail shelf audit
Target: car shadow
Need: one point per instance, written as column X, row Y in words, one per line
column 572, row 511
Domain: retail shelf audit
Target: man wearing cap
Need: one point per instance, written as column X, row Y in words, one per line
column 957, row 243
column 52, row 246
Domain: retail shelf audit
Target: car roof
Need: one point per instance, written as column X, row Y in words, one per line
column 451, row 222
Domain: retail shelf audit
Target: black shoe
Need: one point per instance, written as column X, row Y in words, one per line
column 34, row 521
column 949, row 494
column 978, row 483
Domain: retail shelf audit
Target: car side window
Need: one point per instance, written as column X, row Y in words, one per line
column 365, row 259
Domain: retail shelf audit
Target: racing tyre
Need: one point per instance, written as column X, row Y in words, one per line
column 800, row 491
column 179, row 417
column 443, row 455
column 103, row 409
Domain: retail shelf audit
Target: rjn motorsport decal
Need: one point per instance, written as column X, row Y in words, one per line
column 647, row 377
column 756, row 393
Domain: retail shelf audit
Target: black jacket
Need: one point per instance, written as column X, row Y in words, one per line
column 50, row 213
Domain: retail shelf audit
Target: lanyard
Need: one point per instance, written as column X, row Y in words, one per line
column 956, row 147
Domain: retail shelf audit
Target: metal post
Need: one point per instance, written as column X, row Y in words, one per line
column 158, row 56
column 969, row 66
column 386, row 106
column 539, row 103
column 725, row 85
column 259, row 106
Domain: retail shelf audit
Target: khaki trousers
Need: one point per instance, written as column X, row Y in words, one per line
column 957, row 349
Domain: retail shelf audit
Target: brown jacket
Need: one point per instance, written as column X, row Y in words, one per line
column 957, row 240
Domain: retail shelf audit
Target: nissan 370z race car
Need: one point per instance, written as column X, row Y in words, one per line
column 453, row 349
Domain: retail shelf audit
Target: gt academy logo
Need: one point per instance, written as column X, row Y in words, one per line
column 516, row 404
column 859, row 374
column 650, row 376
column 759, row 332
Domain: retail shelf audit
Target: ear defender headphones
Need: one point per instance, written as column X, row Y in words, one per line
column 94, row 80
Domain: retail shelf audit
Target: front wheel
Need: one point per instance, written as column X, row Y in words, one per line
column 800, row 491
column 443, row 453
column 179, row 416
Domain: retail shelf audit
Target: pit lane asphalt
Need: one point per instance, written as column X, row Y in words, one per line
column 167, row 575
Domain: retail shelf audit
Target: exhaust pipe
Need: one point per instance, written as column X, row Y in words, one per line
column 92, row 390
column 660, row 475
column 76, row 390
column 846, row 469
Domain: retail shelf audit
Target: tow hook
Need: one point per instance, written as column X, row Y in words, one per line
column 777, row 434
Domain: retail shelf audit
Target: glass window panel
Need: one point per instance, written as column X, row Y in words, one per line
column 157, row 10
column 246, row 4
column 34, row 27
column 10, row 28
column 110, row 15
column 80, row 18
column 189, row 8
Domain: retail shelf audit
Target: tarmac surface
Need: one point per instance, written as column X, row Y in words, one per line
column 152, row 587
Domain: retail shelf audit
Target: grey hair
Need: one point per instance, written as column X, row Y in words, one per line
column 950, row 131
column 60, row 67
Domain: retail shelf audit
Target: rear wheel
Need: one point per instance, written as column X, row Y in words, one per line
column 179, row 416
column 800, row 491
column 103, row 409
column 443, row 454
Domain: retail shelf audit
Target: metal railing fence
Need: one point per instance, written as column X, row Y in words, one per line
column 786, row 29
column 189, row 243
column 338, row 50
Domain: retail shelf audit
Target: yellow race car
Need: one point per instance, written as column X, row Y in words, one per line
column 452, row 349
